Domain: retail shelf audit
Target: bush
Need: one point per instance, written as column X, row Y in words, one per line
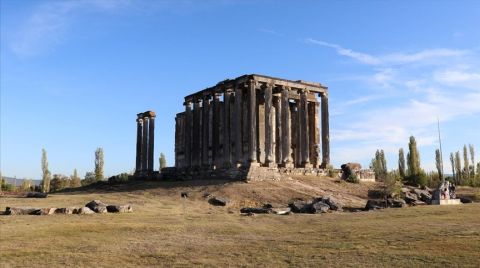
column 8, row 187
column 121, row 178
column 353, row 178
column 420, row 180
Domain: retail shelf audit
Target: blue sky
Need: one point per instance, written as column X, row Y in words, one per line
column 75, row 73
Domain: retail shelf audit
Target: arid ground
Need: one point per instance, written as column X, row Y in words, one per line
column 166, row 230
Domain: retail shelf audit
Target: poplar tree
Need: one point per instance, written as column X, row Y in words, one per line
column 46, row 175
column 401, row 163
column 163, row 162
column 438, row 163
column 466, row 165
column 99, row 164
column 413, row 160
column 472, row 158
column 458, row 167
column 75, row 180
column 452, row 162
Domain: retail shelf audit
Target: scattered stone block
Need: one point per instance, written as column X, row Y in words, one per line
column 20, row 211
column 84, row 210
column 465, row 200
column 256, row 210
column 97, row 206
column 66, row 210
column 119, row 208
column 281, row 211
column 299, row 206
column 319, row 207
column 218, row 201
column 332, row 203
column 44, row 211
column 374, row 205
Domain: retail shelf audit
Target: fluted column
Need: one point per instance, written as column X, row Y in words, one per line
column 197, row 133
column 305, row 149
column 269, row 158
column 286, row 129
column 325, row 131
column 145, row 166
column 151, row 142
column 277, row 103
column 188, row 134
column 252, row 122
column 216, row 129
column 138, row 166
column 238, row 126
column 226, row 128
column 205, row 129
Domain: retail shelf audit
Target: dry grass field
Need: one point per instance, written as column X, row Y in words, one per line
column 168, row 231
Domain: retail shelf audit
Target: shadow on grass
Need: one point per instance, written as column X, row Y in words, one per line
column 139, row 185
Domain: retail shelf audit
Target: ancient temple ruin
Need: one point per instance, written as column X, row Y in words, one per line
column 254, row 121
column 145, row 143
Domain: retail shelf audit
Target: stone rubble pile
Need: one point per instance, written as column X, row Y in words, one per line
column 316, row 206
column 95, row 206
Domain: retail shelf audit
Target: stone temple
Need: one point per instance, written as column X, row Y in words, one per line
column 254, row 123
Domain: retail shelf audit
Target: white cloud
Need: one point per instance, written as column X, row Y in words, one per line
column 48, row 24
column 458, row 77
column 393, row 58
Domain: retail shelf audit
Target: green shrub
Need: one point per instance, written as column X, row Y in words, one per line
column 121, row 178
column 352, row 178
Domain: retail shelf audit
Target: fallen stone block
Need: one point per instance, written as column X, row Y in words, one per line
column 465, row 200
column 66, row 210
column 97, row 206
column 119, row 208
column 44, row 211
column 20, row 211
column 83, row 210
column 374, row 205
column 319, row 207
column 256, row 210
column 333, row 203
column 299, row 206
column 281, row 211
column 218, row 201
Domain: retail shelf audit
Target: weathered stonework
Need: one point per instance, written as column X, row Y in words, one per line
column 253, row 127
column 145, row 143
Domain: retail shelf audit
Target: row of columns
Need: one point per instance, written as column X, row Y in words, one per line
column 145, row 143
column 215, row 132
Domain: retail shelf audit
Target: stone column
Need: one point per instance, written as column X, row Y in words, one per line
column 138, row 166
column 315, row 134
column 205, row 129
column 269, row 158
column 252, row 123
column 216, row 129
column 325, row 131
column 188, row 134
column 238, row 126
column 298, row 134
column 196, row 137
column 151, row 142
column 278, row 128
column 145, row 145
column 286, row 129
column 305, row 149
column 226, row 128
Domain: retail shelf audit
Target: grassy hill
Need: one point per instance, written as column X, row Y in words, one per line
column 166, row 230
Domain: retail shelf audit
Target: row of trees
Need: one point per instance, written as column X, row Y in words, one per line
column 468, row 174
column 410, row 171
column 57, row 182
column 60, row 181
